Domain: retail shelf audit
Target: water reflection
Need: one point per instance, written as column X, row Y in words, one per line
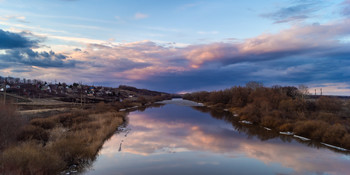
column 183, row 140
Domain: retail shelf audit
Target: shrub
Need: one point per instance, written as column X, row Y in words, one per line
column 334, row 134
column 30, row 132
column 71, row 149
column 345, row 142
column 329, row 104
column 286, row 127
column 270, row 122
column 29, row 158
column 102, row 107
column 10, row 124
column 327, row 117
column 45, row 123
column 312, row 129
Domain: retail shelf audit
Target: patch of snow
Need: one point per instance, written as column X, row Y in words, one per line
column 267, row 128
column 246, row 122
column 335, row 147
column 287, row 133
column 302, row 138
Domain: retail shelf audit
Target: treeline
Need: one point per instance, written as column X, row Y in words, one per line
column 326, row 119
column 142, row 91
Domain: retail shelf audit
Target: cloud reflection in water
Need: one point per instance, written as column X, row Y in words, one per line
column 182, row 140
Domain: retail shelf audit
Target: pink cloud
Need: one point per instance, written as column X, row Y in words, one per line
column 145, row 59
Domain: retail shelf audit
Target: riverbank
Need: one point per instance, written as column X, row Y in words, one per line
column 286, row 111
column 61, row 143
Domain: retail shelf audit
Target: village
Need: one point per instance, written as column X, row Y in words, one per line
column 18, row 89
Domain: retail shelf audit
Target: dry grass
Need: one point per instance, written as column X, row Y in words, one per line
column 10, row 121
column 49, row 145
column 31, row 132
column 30, row 158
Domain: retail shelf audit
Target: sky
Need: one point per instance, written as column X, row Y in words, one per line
column 178, row 46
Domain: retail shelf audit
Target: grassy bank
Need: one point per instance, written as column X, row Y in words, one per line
column 325, row 119
column 52, row 144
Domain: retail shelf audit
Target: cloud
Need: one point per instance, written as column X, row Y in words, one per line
column 18, row 49
column 208, row 32
column 139, row 15
column 346, row 8
column 188, row 6
column 33, row 58
column 11, row 40
column 302, row 54
column 299, row 11
column 14, row 17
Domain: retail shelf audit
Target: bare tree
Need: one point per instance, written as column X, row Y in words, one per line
column 254, row 85
column 304, row 90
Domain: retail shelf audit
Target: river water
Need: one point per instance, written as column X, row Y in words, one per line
column 177, row 138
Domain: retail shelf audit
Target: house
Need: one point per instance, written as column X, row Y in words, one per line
column 46, row 88
column 3, row 88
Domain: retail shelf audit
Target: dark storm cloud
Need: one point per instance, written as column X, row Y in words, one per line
column 18, row 49
column 34, row 58
column 9, row 40
column 287, row 71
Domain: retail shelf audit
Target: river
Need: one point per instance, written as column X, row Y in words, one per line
column 178, row 138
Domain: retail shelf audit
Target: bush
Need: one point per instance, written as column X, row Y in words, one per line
column 334, row 134
column 327, row 117
column 29, row 158
column 329, row 104
column 71, row 149
column 312, row 129
column 286, row 127
column 45, row 123
column 30, row 132
column 270, row 122
column 345, row 142
column 10, row 124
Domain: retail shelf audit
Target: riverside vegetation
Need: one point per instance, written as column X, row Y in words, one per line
column 285, row 109
column 53, row 144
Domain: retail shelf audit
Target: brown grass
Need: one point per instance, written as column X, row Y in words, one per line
column 11, row 123
column 45, row 123
column 31, row 132
column 30, row 158
column 51, row 144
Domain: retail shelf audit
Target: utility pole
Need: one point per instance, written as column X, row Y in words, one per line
column 5, row 91
column 315, row 91
column 81, row 94
column 321, row 91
